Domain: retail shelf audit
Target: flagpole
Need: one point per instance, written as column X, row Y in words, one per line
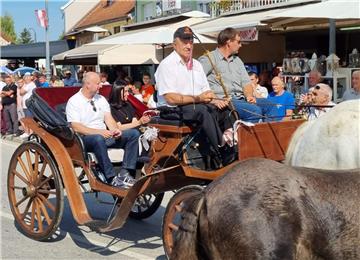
column 47, row 45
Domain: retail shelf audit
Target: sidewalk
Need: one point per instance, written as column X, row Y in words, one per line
column 13, row 138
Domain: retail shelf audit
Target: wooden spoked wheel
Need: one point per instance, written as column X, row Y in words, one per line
column 145, row 205
column 172, row 216
column 35, row 191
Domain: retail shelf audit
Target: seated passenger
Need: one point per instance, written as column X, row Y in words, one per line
column 122, row 110
column 89, row 115
column 281, row 99
column 321, row 96
column 184, row 91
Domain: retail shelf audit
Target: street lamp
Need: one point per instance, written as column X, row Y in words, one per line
column 30, row 28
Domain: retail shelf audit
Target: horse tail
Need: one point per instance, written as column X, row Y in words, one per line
column 185, row 243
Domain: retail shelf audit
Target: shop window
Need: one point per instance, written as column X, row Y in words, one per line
column 116, row 29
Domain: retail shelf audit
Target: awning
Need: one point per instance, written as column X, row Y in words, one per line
column 110, row 54
column 32, row 50
column 312, row 16
column 242, row 22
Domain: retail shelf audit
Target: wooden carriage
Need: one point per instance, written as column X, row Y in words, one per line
column 47, row 164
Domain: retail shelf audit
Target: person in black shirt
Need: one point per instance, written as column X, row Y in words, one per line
column 122, row 111
column 8, row 101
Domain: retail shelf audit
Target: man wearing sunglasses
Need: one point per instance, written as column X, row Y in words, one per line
column 235, row 78
column 89, row 115
column 321, row 99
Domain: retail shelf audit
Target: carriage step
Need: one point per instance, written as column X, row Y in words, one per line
column 96, row 225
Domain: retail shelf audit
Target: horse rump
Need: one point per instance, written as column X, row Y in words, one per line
column 262, row 209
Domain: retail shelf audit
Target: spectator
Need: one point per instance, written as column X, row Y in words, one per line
column 314, row 78
column 68, row 80
column 8, row 101
column 35, row 78
column 104, row 79
column 42, row 81
column 20, row 83
column 259, row 91
column 147, row 89
column 26, row 92
column 56, row 82
column 281, row 99
column 354, row 91
column 321, row 98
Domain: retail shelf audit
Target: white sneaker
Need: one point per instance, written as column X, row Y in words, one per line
column 24, row 136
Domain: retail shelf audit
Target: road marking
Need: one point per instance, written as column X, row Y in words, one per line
column 98, row 246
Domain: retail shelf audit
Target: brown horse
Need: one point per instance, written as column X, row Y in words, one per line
column 262, row 209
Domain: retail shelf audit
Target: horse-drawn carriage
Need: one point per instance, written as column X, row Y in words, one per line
column 54, row 160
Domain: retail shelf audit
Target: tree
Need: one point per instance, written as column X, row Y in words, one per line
column 8, row 27
column 25, row 37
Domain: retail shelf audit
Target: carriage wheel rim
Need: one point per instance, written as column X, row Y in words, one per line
column 173, row 209
column 35, row 191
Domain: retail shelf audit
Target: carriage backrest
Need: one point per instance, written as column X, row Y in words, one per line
column 267, row 140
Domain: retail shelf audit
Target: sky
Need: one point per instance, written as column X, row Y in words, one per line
column 23, row 13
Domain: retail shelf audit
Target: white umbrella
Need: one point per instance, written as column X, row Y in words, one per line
column 159, row 35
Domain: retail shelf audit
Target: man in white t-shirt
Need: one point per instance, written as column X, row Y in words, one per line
column 184, row 91
column 89, row 115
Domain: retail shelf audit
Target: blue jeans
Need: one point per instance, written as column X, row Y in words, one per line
column 98, row 145
column 263, row 109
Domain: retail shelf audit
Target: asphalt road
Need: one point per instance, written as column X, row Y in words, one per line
column 136, row 240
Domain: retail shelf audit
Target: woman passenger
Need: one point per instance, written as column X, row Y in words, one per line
column 122, row 111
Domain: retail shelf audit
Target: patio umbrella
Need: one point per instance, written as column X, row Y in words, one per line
column 22, row 70
column 4, row 69
column 160, row 35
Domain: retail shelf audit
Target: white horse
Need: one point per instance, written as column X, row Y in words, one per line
column 330, row 142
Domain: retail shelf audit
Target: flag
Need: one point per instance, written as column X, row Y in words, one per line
column 42, row 17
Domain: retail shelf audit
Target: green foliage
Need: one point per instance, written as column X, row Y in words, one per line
column 25, row 37
column 8, row 27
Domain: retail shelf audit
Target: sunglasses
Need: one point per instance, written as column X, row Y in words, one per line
column 93, row 105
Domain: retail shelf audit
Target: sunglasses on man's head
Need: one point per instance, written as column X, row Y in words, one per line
column 317, row 87
column 93, row 105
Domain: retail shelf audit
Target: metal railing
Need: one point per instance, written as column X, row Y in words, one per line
column 225, row 7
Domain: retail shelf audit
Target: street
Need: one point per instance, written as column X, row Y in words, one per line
column 136, row 240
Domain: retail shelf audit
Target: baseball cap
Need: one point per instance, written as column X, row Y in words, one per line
column 184, row 33
column 27, row 74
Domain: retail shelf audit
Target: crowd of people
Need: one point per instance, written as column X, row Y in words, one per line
column 213, row 91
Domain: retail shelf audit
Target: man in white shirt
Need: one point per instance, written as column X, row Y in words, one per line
column 183, row 88
column 354, row 91
column 321, row 98
column 89, row 115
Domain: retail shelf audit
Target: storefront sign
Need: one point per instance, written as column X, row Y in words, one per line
column 171, row 5
column 249, row 35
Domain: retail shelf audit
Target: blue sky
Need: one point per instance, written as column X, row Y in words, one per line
column 23, row 13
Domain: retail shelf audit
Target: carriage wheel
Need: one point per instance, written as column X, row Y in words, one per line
column 145, row 205
column 172, row 218
column 35, row 191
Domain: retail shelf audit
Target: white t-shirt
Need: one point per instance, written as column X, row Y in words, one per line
column 80, row 110
column 262, row 91
column 172, row 76
column 29, row 89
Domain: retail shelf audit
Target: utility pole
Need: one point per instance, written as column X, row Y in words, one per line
column 47, row 45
